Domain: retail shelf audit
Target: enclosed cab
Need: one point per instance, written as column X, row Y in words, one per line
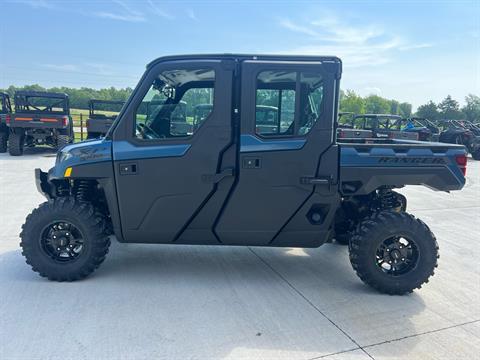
column 5, row 113
column 233, row 181
column 102, row 113
column 40, row 118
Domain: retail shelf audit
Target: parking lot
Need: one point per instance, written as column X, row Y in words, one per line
column 203, row 302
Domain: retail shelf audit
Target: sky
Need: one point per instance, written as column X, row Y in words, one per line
column 412, row 51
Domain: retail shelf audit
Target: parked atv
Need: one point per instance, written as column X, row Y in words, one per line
column 383, row 126
column 345, row 128
column 102, row 114
column 5, row 113
column 464, row 133
column 40, row 118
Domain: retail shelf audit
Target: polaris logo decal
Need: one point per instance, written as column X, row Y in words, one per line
column 412, row 160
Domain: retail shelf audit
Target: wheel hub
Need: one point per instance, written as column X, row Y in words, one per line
column 397, row 255
column 62, row 241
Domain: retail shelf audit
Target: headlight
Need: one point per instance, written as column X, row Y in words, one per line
column 63, row 156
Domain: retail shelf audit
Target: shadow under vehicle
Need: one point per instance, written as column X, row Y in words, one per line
column 383, row 126
column 40, row 118
column 102, row 113
column 462, row 132
column 230, row 182
column 5, row 113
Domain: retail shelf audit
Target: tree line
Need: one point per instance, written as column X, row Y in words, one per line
column 447, row 109
column 350, row 101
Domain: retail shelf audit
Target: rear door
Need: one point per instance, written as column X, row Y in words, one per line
column 167, row 177
column 282, row 167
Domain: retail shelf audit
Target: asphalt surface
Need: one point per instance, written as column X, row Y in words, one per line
column 194, row 302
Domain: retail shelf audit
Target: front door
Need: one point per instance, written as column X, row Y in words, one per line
column 167, row 175
column 287, row 161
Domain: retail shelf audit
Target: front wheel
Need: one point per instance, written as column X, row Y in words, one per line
column 64, row 240
column 3, row 141
column 16, row 141
column 393, row 252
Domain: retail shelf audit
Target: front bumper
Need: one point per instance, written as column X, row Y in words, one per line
column 43, row 185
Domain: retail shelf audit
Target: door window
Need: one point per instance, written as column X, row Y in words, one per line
column 176, row 105
column 287, row 103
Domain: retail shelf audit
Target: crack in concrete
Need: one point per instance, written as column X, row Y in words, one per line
column 312, row 305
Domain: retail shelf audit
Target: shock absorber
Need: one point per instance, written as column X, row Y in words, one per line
column 83, row 190
column 390, row 200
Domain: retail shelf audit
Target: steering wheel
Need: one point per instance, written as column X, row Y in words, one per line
column 147, row 132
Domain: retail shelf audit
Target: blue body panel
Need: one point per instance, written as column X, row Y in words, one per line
column 398, row 157
column 250, row 143
column 123, row 150
column 83, row 153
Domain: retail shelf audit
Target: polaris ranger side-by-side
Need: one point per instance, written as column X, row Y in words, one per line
column 5, row 113
column 462, row 132
column 102, row 113
column 40, row 118
column 383, row 126
column 232, row 183
column 345, row 128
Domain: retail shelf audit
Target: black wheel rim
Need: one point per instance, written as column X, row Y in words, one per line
column 397, row 255
column 62, row 241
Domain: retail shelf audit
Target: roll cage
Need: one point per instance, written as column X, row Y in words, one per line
column 41, row 102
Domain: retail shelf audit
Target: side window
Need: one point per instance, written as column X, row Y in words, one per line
column 275, row 105
column 176, row 105
column 277, row 112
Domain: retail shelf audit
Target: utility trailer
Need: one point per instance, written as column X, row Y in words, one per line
column 102, row 114
column 5, row 113
column 232, row 183
column 40, row 118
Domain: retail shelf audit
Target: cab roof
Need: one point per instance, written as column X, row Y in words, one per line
column 242, row 57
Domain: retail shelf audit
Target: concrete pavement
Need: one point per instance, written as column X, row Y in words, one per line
column 203, row 302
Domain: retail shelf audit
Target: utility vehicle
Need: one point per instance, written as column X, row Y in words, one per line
column 40, row 118
column 230, row 183
column 426, row 129
column 102, row 113
column 383, row 126
column 462, row 132
column 345, row 128
column 5, row 113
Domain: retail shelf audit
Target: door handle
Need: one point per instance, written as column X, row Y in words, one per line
column 127, row 168
column 216, row 178
column 315, row 181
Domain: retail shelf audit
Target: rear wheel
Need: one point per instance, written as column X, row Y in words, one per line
column 393, row 252
column 15, row 143
column 3, row 141
column 64, row 240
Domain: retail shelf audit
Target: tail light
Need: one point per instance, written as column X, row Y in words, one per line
column 462, row 163
column 341, row 134
column 8, row 119
column 65, row 121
